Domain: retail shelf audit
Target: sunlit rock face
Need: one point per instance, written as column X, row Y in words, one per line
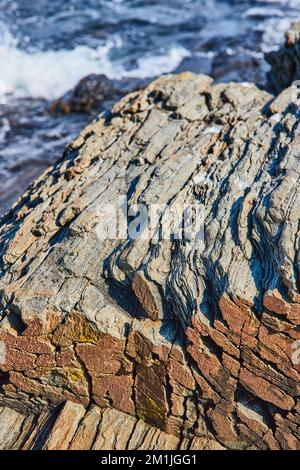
column 193, row 332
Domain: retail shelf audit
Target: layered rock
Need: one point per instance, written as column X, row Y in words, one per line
column 195, row 337
column 72, row 427
column 285, row 63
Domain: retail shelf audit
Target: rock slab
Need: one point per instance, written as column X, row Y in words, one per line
column 196, row 338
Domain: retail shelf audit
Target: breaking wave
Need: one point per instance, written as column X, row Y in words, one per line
column 49, row 74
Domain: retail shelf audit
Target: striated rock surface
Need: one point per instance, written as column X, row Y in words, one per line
column 285, row 63
column 196, row 338
column 71, row 427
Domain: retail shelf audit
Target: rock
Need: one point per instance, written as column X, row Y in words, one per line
column 193, row 336
column 87, row 430
column 285, row 63
column 65, row 427
column 88, row 94
column 11, row 426
column 73, row 428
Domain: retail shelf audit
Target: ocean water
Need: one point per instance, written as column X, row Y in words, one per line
column 46, row 47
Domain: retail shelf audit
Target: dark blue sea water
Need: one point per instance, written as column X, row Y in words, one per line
column 47, row 46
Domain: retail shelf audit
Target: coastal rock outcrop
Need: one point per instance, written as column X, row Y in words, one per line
column 87, row 95
column 195, row 333
column 285, row 63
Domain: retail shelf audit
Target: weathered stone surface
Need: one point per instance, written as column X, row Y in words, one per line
column 73, row 428
column 196, row 338
column 87, row 430
column 65, row 427
column 11, row 426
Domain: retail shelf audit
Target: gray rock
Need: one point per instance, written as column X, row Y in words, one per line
column 194, row 336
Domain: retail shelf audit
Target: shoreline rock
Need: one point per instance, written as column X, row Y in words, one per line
column 94, row 93
column 71, row 427
column 285, row 63
column 195, row 341
column 88, row 94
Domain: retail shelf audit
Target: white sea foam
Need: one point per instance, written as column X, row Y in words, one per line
column 49, row 74
column 273, row 34
column 4, row 129
column 152, row 66
column 276, row 22
column 263, row 12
